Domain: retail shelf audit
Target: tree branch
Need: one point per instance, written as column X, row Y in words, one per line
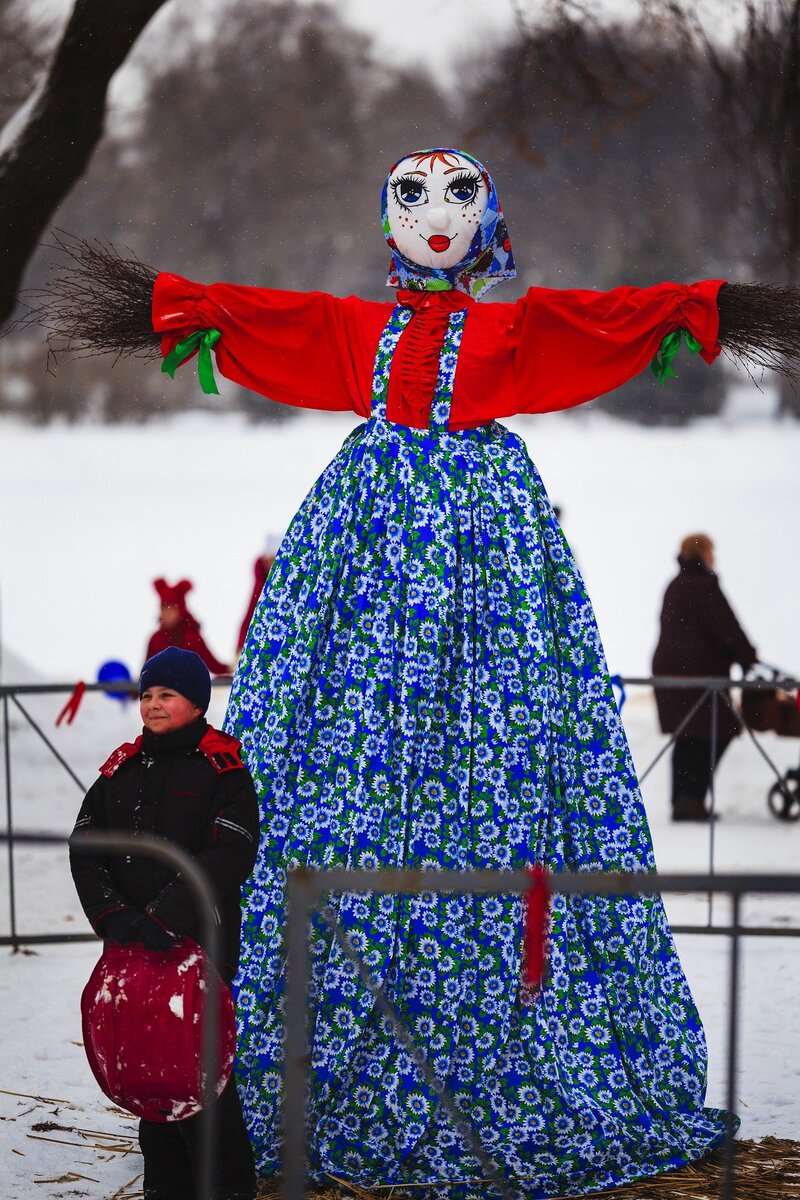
column 50, row 153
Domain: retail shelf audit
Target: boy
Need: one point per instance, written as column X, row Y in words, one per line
column 184, row 781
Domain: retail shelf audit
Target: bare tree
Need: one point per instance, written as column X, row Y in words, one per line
column 48, row 143
column 22, row 55
column 758, row 107
column 576, row 64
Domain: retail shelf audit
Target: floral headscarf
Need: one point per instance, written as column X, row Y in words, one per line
column 488, row 262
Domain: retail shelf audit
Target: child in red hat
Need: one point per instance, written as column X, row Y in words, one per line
column 184, row 781
column 178, row 627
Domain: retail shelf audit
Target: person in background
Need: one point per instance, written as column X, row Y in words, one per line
column 261, row 569
column 177, row 627
column 701, row 636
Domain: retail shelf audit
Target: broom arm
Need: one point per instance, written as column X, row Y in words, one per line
column 759, row 326
column 100, row 303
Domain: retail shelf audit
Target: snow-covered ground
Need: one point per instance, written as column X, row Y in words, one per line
column 41, row 1054
column 92, row 514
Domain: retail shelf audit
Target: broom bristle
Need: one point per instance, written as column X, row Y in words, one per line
column 759, row 326
column 98, row 303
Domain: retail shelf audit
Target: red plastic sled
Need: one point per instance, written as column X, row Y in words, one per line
column 143, row 1027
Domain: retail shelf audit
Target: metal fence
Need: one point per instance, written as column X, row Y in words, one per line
column 717, row 689
column 10, row 695
column 306, row 889
column 177, row 858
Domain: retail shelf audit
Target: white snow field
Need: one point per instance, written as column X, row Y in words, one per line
column 92, row 514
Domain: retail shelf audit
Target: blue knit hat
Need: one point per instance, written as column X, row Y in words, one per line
column 183, row 671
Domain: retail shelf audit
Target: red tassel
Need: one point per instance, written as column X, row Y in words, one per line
column 536, row 908
column 70, row 709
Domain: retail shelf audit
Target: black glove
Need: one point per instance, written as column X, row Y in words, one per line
column 153, row 935
column 121, row 926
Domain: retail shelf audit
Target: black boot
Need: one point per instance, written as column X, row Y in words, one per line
column 691, row 808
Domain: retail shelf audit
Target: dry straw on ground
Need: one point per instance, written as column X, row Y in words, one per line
column 765, row 1170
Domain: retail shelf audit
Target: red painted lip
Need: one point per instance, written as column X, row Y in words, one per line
column 439, row 243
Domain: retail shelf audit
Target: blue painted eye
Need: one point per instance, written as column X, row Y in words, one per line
column 409, row 191
column 464, row 192
column 463, row 189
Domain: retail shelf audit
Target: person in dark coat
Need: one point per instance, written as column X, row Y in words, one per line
column 184, row 781
column 178, row 627
column 700, row 636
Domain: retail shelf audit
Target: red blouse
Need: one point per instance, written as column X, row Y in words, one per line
column 550, row 350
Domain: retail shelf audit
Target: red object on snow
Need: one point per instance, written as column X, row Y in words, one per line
column 142, row 1014
column 536, row 907
column 70, row 709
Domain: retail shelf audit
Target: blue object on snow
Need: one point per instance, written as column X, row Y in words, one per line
column 115, row 672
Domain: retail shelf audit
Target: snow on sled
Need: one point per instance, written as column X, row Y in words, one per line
column 142, row 1014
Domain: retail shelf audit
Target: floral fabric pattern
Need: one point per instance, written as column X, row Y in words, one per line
column 423, row 685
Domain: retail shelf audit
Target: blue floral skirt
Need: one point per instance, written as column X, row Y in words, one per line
column 423, row 685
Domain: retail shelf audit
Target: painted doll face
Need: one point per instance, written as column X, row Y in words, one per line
column 435, row 204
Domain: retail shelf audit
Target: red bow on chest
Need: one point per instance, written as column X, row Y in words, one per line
column 415, row 365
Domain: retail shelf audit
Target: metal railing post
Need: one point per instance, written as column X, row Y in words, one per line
column 712, row 813
column 296, row 1057
column 12, row 899
column 58, row 757
column 191, row 873
column 729, row 1186
column 459, row 1119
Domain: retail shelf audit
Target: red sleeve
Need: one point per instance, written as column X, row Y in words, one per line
column 571, row 346
column 307, row 349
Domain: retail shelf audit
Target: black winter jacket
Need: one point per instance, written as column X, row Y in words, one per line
column 700, row 635
column 191, row 788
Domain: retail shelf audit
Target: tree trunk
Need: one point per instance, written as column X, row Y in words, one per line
column 57, row 137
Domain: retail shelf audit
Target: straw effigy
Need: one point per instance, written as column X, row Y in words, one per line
column 765, row 1170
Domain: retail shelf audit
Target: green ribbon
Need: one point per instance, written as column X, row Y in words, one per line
column 202, row 341
column 661, row 366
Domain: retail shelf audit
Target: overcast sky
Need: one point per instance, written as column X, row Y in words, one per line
column 430, row 31
column 436, row 32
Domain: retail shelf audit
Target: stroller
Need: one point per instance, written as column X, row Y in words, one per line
column 776, row 709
